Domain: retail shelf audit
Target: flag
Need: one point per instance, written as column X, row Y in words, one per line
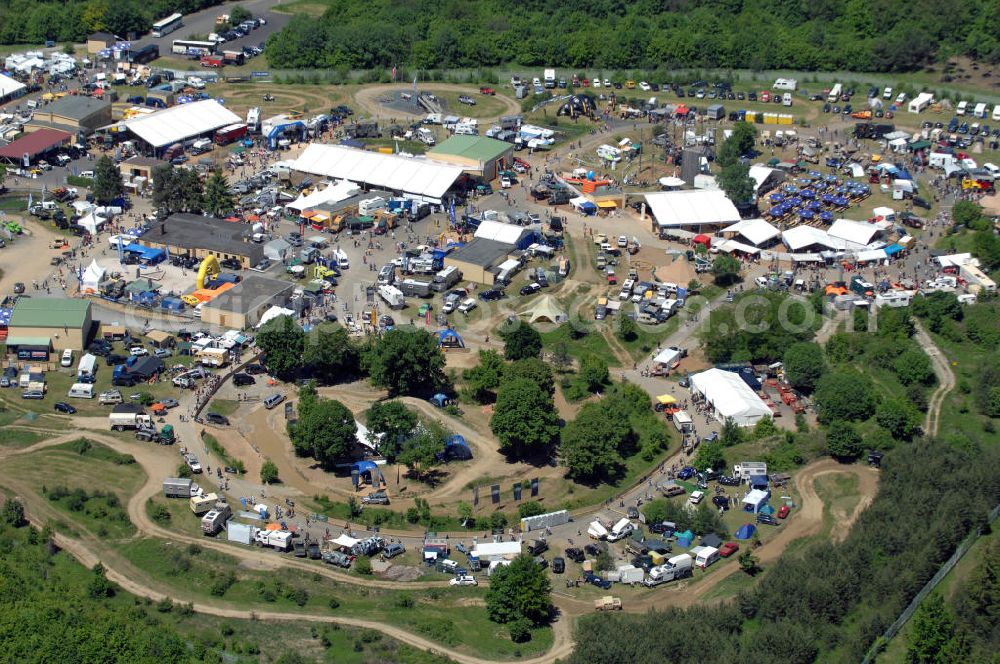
column 451, row 211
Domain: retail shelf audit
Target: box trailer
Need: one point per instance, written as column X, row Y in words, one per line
column 215, row 520
column 202, row 504
column 416, row 288
column 177, row 487
column 126, row 416
column 240, row 532
column 630, row 574
column 682, row 421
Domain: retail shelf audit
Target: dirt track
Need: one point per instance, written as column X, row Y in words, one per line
column 945, row 376
column 368, row 99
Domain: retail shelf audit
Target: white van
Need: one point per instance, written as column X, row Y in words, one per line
column 961, row 108
column 67, row 358
column 996, row 112
column 81, row 391
column 468, row 305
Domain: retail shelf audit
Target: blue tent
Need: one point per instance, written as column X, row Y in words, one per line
column 456, row 449
column 758, row 481
column 439, row 400
column 684, row 539
column 746, row 531
column 892, row 249
column 367, row 470
column 450, row 339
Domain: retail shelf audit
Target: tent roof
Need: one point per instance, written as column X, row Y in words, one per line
column 499, row 232
column 545, row 308
column 180, row 122
column 274, row 312
column 729, row 394
column 858, row 233
column 345, row 541
column 9, row 86
column 94, row 273
column 757, row 231
column 692, row 208
column 801, row 237
column 333, row 193
column 421, row 177
column 729, row 246
column 666, row 356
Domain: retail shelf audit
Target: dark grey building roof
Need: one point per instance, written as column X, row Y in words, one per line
column 75, row 107
column 251, row 293
column 482, row 252
column 190, row 231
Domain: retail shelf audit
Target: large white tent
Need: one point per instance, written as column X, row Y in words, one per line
column 181, row 122
column 755, row 231
column 800, row 237
column 9, row 88
column 855, row 234
column 499, row 232
column 730, row 397
column 409, row 175
column 92, row 278
column 333, row 193
column 692, row 208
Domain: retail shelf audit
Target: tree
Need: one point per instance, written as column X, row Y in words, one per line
column 749, row 563
column 329, row 354
column 99, row 586
column 421, row 451
column 324, row 431
column 843, row 441
column 844, row 395
column 524, row 418
column 931, row 632
column 216, row 199
column 735, row 180
column 394, row 422
column 530, row 508
column 897, row 417
column 913, row 366
column 591, row 444
column 726, row 270
column 519, row 590
column 561, row 359
column 533, row 369
column 484, row 378
column 406, row 361
column 594, row 372
column 627, row 329
column 710, row 455
column 13, row 513
column 521, row 341
column 107, row 181
column 731, row 434
column 124, row 19
column 238, row 14
column 282, row 340
column 966, row 213
column 269, row 472
column 804, row 364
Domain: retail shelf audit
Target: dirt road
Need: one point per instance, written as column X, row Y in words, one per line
column 945, row 376
column 368, row 99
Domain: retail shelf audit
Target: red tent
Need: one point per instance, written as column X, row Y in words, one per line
column 702, row 239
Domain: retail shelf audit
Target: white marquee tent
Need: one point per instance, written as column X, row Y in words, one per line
column 855, row 234
column 181, row 122
column 92, row 278
column 755, row 231
column 730, row 397
column 333, row 193
column 499, row 232
column 417, row 177
column 800, row 237
column 692, row 208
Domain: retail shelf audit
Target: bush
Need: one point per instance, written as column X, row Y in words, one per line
column 530, row 508
column 334, row 603
column 520, row 630
column 363, row 565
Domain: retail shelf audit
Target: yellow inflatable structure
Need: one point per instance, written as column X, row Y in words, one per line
column 209, row 270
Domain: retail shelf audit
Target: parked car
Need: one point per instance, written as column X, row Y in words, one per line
column 574, row 554
column 216, row 418
column 767, row 519
column 632, row 512
column 726, row 480
column 728, row 549
column 32, row 394
column 686, row 473
column 783, row 511
column 464, row 581
column 558, row 565
column 63, row 407
column 254, row 369
column 722, row 502
column 170, row 403
column 467, row 100
column 243, row 379
column 530, row 289
column 491, row 294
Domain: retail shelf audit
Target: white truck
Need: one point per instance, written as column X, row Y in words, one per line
column 550, row 78
column 276, row 539
column 126, row 416
column 426, row 136
column 179, row 487
column 392, row 296
column 678, row 567
column 834, row 94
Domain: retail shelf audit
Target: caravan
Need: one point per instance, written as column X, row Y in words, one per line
column 609, row 153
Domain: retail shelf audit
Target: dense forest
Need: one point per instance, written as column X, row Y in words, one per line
column 36, row 21
column 826, row 602
column 855, row 35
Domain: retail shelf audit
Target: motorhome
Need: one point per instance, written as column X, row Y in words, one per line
column 213, row 357
column 426, row 136
column 446, row 278
column 622, row 529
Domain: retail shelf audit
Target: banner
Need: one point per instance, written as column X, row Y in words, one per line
column 534, row 487
column 517, row 491
column 475, row 496
column 495, row 493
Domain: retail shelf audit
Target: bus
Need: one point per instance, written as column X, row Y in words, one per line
column 167, row 25
column 188, row 47
column 144, row 55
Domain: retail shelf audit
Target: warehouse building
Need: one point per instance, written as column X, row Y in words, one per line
column 424, row 179
column 194, row 235
column 31, row 147
column 158, row 131
column 476, row 155
column 10, row 89
column 480, row 259
column 48, row 324
column 242, row 306
column 73, row 113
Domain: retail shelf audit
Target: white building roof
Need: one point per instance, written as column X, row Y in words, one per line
column 855, row 234
column 801, row 237
column 692, row 208
column 756, row 231
column 178, row 123
column 499, row 232
column 9, row 86
column 331, row 194
column 420, row 177
column 956, row 260
column 759, row 174
column 730, row 396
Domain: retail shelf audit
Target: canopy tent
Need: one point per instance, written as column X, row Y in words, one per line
column 746, row 531
column 450, row 339
column 367, row 471
column 344, row 541
column 729, row 396
column 366, row 438
column 333, row 193
column 755, row 500
column 666, row 399
column 92, row 278
column 871, row 255
column 800, row 237
column 440, row 400
column 420, row 177
column 883, row 211
column 583, row 205
column 178, row 123
column 729, row 246
column 92, row 223
column 755, row 231
column 702, row 239
column 671, row 182
column 545, row 309
column 499, row 232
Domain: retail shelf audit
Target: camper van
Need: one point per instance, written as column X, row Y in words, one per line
column 621, row 530
column 609, row 152
column 682, row 421
column 961, row 108
column 426, row 136
column 81, row 391
column 446, row 278
column 342, row 261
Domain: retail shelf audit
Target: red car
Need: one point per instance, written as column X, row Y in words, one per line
column 487, row 91
column 586, row 82
column 728, row 549
column 783, row 511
